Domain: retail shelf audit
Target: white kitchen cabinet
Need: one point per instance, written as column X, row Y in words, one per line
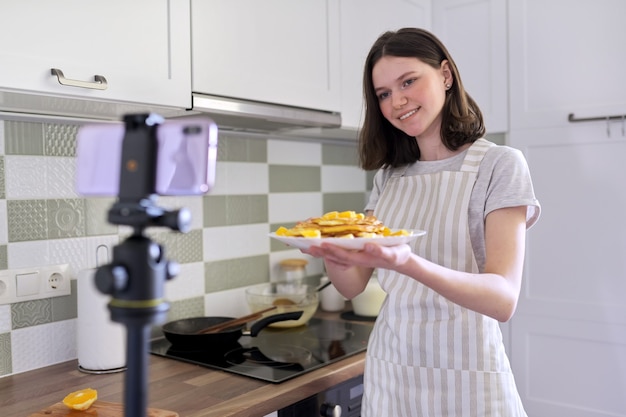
column 474, row 31
column 276, row 51
column 566, row 57
column 362, row 21
column 141, row 48
column 569, row 332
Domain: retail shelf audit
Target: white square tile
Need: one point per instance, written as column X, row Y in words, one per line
column 61, row 178
column 5, row 318
column 25, row 176
column 49, row 252
column 4, row 233
column 26, row 254
column 239, row 178
column 188, row 284
column 229, row 303
column 231, row 242
column 39, row 346
column 283, row 152
column 292, row 207
column 339, row 178
column 68, row 251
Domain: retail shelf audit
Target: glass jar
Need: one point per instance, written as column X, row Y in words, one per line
column 292, row 270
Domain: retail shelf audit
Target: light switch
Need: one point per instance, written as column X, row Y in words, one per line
column 27, row 284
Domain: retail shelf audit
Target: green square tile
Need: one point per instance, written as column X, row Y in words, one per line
column 188, row 247
column 180, row 247
column 4, row 264
column 235, row 273
column 340, row 155
column 60, row 139
column 190, row 307
column 235, row 210
column 65, row 307
column 23, row 138
column 96, row 212
column 215, row 211
column 31, row 313
column 27, row 220
column 294, row 179
column 66, row 218
column 236, row 148
column 6, row 366
column 343, row 202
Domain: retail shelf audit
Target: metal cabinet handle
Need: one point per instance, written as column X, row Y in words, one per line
column 100, row 82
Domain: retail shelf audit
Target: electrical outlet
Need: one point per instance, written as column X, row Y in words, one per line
column 34, row 283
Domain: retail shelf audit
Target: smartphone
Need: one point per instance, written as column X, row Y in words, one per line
column 186, row 158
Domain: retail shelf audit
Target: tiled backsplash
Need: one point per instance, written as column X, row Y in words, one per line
column 261, row 184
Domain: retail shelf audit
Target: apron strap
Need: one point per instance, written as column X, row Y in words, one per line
column 475, row 155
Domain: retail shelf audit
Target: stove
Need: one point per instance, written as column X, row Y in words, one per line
column 278, row 354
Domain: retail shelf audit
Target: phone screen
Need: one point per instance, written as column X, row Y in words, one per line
column 187, row 151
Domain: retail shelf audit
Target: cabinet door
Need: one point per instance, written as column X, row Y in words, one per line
column 277, row 51
column 474, row 31
column 142, row 49
column 362, row 21
column 569, row 332
column 566, row 57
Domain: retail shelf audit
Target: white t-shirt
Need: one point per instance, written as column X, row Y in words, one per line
column 503, row 181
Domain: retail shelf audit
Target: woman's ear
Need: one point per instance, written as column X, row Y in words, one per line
column 446, row 73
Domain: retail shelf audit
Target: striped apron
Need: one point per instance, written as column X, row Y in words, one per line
column 428, row 356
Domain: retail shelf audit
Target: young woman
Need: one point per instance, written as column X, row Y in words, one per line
column 436, row 348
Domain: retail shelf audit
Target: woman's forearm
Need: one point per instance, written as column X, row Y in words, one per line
column 351, row 281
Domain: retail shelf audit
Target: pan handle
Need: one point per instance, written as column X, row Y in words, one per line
column 264, row 322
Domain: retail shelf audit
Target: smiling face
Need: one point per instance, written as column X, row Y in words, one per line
column 411, row 94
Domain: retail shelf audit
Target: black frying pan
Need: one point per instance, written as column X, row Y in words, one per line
column 183, row 333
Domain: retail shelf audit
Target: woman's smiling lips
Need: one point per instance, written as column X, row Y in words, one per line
column 408, row 114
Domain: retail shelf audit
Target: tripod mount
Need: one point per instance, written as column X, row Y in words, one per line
column 136, row 276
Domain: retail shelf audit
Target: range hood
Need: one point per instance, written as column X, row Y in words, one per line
column 253, row 116
column 229, row 113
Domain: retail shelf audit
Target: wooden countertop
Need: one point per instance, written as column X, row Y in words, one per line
column 189, row 390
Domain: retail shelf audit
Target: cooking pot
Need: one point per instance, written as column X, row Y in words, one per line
column 183, row 333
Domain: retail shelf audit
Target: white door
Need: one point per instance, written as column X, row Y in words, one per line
column 569, row 332
column 568, row 336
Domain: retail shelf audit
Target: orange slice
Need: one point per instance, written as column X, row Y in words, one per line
column 81, row 400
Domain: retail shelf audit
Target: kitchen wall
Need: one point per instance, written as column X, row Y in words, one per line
column 261, row 184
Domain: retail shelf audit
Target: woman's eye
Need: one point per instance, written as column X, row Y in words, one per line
column 383, row 96
column 408, row 82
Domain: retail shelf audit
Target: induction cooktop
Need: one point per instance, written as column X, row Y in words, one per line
column 277, row 354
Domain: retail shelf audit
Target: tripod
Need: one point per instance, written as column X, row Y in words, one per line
column 135, row 278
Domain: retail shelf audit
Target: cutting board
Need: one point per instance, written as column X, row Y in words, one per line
column 97, row 409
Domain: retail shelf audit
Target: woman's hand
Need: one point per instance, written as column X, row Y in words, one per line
column 372, row 256
column 350, row 270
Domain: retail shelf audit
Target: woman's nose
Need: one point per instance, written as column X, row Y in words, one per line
column 398, row 100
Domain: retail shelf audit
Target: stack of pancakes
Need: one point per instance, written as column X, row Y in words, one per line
column 346, row 224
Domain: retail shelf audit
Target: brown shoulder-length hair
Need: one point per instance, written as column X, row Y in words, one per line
column 383, row 145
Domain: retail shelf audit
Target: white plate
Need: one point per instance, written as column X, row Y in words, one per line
column 357, row 243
